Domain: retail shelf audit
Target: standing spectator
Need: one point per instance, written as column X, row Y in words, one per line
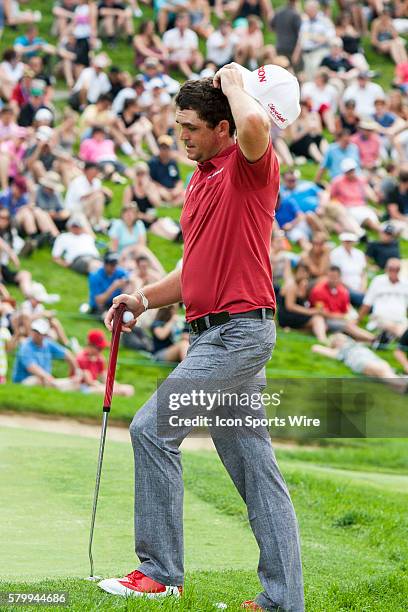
column 181, row 44
column 353, row 192
column 332, row 299
column 286, row 24
column 165, row 173
column 387, row 299
column 336, row 153
column 352, row 264
column 385, row 248
column 221, row 44
column 76, row 249
column 106, row 283
column 93, row 366
column 365, row 93
column 33, row 363
column 368, row 144
column 316, row 32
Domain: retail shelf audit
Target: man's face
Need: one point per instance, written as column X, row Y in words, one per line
column 201, row 141
column 362, row 81
column 344, row 140
column 91, row 174
column 350, row 175
column 290, row 181
column 109, row 268
column 37, row 337
column 182, row 22
column 393, row 270
column 6, row 118
column 333, row 278
column 36, row 64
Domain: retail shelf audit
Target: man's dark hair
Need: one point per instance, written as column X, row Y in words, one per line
column 9, row 55
column 104, row 98
column 210, row 104
column 90, row 165
column 335, row 269
column 403, row 176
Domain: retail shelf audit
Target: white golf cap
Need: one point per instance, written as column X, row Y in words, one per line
column 348, row 164
column 43, row 114
column 276, row 89
column 348, row 237
column 41, row 326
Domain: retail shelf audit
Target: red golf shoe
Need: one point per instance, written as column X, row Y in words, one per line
column 251, row 605
column 137, row 584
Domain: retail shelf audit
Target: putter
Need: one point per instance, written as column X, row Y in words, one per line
column 110, row 379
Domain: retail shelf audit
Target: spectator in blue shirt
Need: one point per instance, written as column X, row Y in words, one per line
column 106, row 283
column 337, row 152
column 30, row 44
column 291, row 219
column 15, row 197
column 165, row 173
column 305, row 193
column 33, row 363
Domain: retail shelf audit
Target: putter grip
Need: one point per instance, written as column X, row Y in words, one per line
column 113, row 355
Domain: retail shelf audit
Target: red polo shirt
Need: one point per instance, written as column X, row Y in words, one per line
column 227, row 224
column 335, row 300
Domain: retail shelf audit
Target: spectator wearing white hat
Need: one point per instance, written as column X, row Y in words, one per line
column 33, row 363
column 33, row 308
column 353, row 267
column 353, row 192
column 44, row 155
column 48, row 198
column 76, row 249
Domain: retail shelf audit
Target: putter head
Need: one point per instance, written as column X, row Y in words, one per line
column 93, row 578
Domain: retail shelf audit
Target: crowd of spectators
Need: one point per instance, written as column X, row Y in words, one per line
column 74, row 128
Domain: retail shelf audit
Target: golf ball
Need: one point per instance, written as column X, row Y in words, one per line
column 127, row 317
column 221, row 605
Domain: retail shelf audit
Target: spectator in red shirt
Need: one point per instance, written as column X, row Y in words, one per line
column 333, row 299
column 368, row 143
column 90, row 360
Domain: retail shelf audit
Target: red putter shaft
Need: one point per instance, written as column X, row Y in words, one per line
column 113, row 356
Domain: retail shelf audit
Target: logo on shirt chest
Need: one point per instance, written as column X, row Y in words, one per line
column 210, row 176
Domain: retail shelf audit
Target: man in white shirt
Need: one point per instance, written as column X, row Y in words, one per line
column 387, row 296
column 86, row 196
column 364, row 93
column 221, row 44
column 315, row 35
column 93, row 82
column 76, row 248
column 353, row 265
column 182, row 45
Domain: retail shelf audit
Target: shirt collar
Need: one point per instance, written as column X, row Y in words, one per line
column 217, row 160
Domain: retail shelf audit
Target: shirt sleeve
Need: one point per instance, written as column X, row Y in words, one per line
column 252, row 176
column 370, row 295
column 57, row 351
column 58, row 248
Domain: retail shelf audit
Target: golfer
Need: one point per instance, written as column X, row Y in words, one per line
column 226, row 286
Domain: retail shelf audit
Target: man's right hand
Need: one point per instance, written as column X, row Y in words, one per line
column 133, row 303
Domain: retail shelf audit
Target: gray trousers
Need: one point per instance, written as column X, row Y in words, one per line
column 230, row 357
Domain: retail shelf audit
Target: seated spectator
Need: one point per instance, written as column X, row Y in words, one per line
column 44, row 155
column 298, row 226
column 21, row 92
column 33, row 362
column 30, row 44
column 153, row 69
column 351, row 35
column 387, row 247
column 91, row 83
column 316, row 32
column 76, row 249
column 322, row 98
column 34, row 222
column 332, row 299
column 115, row 17
column 281, row 258
column 165, row 173
column 294, row 310
column 341, row 70
column 11, row 244
column 109, row 281
column 385, row 39
column 93, row 366
column 221, row 44
column 307, row 134
column 147, row 45
column 145, row 272
column 317, row 257
column 360, row 359
column 250, row 46
column 353, row 192
column 286, row 24
column 388, row 123
column 199, row 12
column 63, row 12
column 170, row 342
column 11, row 71
column 12, row 153
column 6, row 345
column 36, row 101
column 144, row 193
column 48, row 198
column 8, row 126
column 100, row 150
column 306, row 194
column 137, row 129
column 353, row 267
column 364, row 93
column 33, row 309
column 181, row 44
column 397, row 205
column 401, row 352
column 347, row 119
column 15, row 17
column 336, row 153
column 87, row 197
column 387, row 299
column 368, row 144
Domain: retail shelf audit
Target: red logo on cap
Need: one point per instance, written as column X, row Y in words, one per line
column 261, row 74
column 276, row 113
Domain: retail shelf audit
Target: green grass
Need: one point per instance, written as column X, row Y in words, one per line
column 354, row 531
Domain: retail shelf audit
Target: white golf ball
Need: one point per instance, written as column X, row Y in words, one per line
column 127, row 316
column 221, row 605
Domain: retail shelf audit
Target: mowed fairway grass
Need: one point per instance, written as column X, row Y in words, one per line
column 354, row 527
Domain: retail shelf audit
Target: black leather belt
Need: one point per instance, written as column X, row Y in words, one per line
column 198, row 326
